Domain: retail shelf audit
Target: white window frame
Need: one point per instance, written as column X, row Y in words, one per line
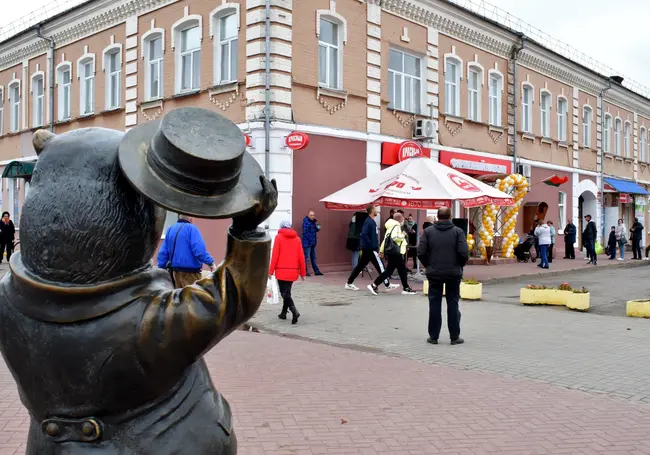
column 608, row 124
column 643, row 144
column 474, row 67
column 588, row 112
column 627, row 139
column 618, row 132
column 82, row 77
column 38, row 112
column 225, row 10
column 416, row 98
column 494, row 118
column 453, row 85
column 561, row 206
column 545, row 113
column 14, row 106
column 562, row 118
column 63, row 96
column 2, row 117
column 147, row 37
column 111, row 73
column 342, row 35
column 187, row 22
column 527, row 108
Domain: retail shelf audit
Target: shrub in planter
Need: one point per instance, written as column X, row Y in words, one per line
column 638, row 309
column 471, row 290
column 578, row 300
column 541, row 295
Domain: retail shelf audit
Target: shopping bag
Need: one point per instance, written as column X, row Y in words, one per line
column 599, row 248
column 272, row 291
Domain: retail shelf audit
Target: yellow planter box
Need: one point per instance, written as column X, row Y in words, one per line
column 577, row 302
column 638, row 308
column 542, row 296
column 471, row 291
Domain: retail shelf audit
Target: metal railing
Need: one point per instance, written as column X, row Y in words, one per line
column 496, row 14
column 49, row 9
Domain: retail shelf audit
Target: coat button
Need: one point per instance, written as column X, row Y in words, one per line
column 52, row 429
column 88, row 429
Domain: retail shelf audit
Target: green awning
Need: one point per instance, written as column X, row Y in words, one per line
column 19, row 169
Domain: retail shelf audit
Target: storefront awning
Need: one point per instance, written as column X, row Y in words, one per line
column 19, row 169
column 625, row 186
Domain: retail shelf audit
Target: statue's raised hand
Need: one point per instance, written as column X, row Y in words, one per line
column 262, row 209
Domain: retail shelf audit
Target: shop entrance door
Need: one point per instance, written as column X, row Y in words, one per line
column 581, row 201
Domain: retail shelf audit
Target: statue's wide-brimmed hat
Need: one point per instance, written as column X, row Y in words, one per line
column 193, row 161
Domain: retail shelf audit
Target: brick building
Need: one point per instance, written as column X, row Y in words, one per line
column 356, row 76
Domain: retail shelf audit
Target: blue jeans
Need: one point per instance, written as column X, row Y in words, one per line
column 621, row 246
column 543, row 249
column 310, row 252
column 355, row 258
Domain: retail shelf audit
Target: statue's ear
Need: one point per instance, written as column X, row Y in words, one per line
column 40, row 139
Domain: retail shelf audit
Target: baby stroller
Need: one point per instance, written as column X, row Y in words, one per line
column 522, row 251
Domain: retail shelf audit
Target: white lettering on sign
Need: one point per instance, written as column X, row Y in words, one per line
column 409, row 149
column 478, row 166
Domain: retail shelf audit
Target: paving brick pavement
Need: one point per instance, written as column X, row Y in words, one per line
column 293, row 397
column 588, row 352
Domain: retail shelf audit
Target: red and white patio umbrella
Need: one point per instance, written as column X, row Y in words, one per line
column 416, row 183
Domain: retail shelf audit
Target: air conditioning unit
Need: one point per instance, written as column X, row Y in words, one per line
column 424, row 129
column 524, row 169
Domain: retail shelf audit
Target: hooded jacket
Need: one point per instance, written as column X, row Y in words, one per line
column 543, row 234
column 394, row 230
column 443, row 250
column 288, row 258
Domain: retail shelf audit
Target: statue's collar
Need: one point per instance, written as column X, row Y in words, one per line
column 56, row 302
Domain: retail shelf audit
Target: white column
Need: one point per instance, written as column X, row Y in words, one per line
column 575, row 127
column 635, row 135
column 374, row 68
column 24, row 85
column 433, row 88
column 130, row 90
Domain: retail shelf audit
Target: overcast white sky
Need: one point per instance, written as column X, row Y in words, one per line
column 614, row 32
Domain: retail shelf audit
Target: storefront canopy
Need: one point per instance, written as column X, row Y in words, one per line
column 19, row 169
column 625, row 186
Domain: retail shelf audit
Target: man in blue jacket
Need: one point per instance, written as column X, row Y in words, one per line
column 310, row 230
column 369, row 243
column 184, row 253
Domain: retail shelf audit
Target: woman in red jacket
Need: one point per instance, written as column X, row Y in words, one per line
column 287, row 263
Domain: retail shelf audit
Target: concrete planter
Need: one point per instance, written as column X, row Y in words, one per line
column 577, row 302
column 471, row 291
column 542, row 296
column 638, row 308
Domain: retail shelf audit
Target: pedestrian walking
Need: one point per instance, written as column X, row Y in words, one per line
column 354, row 232
column 637, row 234
column 621, row 238
column 183, row 253
column 552, row 245
column 570, row 232
column 443, row 251
column 7, row 236
column 543, row 234
column 612, row 244
column 412, row 236
column 369, row 243
column 393, row 247
column 287, row 264
column 589, row 240
column 310, row 228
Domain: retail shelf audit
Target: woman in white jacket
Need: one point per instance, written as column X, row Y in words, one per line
column 621, row 238
column 543, row 234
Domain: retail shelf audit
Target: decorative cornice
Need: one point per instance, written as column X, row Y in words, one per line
column 88, row 20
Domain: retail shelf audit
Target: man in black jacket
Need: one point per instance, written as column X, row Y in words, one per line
column 589, row 240
column 369, row 243
column 443, row 251
column 636, row 231
column 569, row 240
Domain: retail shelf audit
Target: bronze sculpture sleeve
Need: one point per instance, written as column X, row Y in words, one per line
column 179, row 326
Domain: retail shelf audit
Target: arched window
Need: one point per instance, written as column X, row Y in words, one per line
column 627, row 140
column 186, row 40
column 331, row 30
column 153, row 47
column 562, row 110
column 113, row 71
column 453, row 76
column 38, row 99
column 607, row 134
column 495, row 90
column 64, row 81
column 642, row 144
column 618, row 131
column 14, row 105
column 545, row 102
column 527, row 99
column 474, row 86
column 86, row 73
column 587, row 118
column 225, row 32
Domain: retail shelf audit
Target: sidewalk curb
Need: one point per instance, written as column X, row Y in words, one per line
column 527, row 277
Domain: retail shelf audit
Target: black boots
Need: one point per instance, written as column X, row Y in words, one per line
column 294, row 312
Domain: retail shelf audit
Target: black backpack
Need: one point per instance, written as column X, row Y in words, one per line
column 390, row 247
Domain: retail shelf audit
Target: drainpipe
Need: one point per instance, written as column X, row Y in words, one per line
column 267, row 105
column 51, row 75
column 515, row 54
column 602, row 158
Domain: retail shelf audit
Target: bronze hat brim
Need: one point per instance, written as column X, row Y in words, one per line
column 132, row 156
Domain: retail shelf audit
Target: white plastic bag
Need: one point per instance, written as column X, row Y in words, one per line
column 272, row 291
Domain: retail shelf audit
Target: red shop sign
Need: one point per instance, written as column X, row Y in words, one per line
column 395, row 153
column 625, row 198
column 247, row 140
column 475, row 165
column 297, row 140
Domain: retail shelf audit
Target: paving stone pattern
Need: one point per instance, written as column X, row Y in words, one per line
column 588, row 352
